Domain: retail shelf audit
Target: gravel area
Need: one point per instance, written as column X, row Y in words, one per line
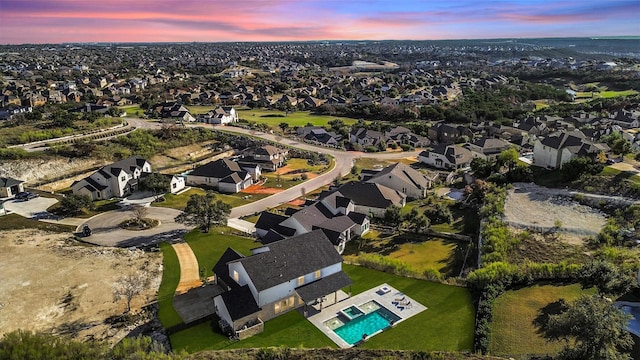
column 538, row 208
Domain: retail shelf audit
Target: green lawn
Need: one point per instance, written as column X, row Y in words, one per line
column 430, row 254
column 513, row 332
column 447, row 324
column 298, row 118
column 179, row 202
column 170, row 279
column 292, row 174
column 132, row 110
column 631, row 176
column 208, row 247
column 16, row 222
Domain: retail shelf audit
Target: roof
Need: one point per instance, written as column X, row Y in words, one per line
column 405, row 173
column 268, row 220
column 221, row 270
column 240, row 302
column 338, row 224
column 313, row 215
column 216, row 169
column 564, row 139
column 454, row 154
column 9, row 182
column 290, row 258
column 370, row 194
column 324, row 286
column 232, row 178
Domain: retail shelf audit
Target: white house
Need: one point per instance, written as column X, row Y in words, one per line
column 224, row 174
column 221, row 115
column 450, row 157
column 275, row 279
column 555, row 150
column 116, row 180
column 10, row 187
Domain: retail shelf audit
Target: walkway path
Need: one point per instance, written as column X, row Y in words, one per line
column 189, row 271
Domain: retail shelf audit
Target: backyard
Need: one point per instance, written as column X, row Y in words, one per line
column 292, row 173
column 446, row 325
column 513, row 331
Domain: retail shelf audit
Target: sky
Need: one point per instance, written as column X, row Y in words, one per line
column 58, row 21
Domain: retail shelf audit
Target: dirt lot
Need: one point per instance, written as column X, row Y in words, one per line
column 538, row 208
column 49, row 282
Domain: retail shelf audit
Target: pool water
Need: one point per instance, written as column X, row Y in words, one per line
column 352, row 312
column 369, row 324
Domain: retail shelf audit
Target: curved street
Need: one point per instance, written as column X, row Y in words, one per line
column 106, row 230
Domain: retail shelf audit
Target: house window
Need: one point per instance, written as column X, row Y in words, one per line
column 301, row 280
column 236, row 276
column 174, row 185
column 123, row 178
column 284, row 305
column 317, row 274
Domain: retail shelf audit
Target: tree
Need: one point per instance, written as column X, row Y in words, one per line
column 509, row 158
column 74, row 204
column 482, row 167
column 577, row 166
column 608, row 278
column 392, row 216
column 205, row 210
column 283, row 126
column 592, row 329
column 156, row 183
column 139, row 213
column 129, row 286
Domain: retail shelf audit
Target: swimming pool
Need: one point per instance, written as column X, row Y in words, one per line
column 370, row 324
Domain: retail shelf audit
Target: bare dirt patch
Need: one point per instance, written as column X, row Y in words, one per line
column 259, row 189
column 51, row 283
column 539, row 208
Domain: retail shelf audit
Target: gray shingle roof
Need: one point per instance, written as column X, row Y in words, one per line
column 290, row 258
column 240, row 302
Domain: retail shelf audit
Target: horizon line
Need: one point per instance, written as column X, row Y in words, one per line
column 593, row 37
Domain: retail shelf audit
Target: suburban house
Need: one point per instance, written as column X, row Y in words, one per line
column 10, row 187
column 267, row 157
column 558, row 148
column 277, row 278
column 367, row 137
column 402, row 178
column 175, row 182
column 116, row 180
column 323, row 137
column 335, row 215
column 221, row 115
column 487, row 148
column 448, row 157
column 447, row 134
column 402, row 135
column 367, row 197
column 225, row 175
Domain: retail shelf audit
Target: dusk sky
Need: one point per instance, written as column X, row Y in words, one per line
column 55, row 21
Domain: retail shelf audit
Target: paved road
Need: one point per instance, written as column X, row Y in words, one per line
column 30, row 208
column 107, row 232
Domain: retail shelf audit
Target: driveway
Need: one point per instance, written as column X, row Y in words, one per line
column 30, row 208
column 107, row 232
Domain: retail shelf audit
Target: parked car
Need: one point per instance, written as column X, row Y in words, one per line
column 26, row 196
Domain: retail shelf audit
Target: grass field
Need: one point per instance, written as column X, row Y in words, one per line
column 132, row 110
column 42, row 130
column 299, row 118
column 631, row 176
column 430, row 254
column 605, row 94
column 446, row 325
column 208, row 247
column 293, row 173
column 179, row 202
column 16, row 222
column 513, row 332
column 170, row 279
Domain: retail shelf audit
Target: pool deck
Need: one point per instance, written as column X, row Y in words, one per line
column 385, row 299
